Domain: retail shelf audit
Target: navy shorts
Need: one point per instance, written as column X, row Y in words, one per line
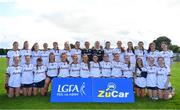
column 51, row 77
column 136, row 86
column 26, row 85
column 39, row 84
column 152, row 88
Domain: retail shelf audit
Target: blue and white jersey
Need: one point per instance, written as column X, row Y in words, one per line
column 68, row 53
column 131, row 56
column 154, row 55
column 78, row 53
column 109, row 52
column 39, row 73
column 121, row 54
column 34, row 56
column 151, row 76
column 128, row 71
column 140, row 81
column 45, row 56
column 27, row 74
column 95, row 69
column 14, row 76
column 106, row 68
column 84, row 72
column 75, row 70
column 141, row 54
column 117, row 69
column 23, row 53
column 64, row 68
column 10, row 55
column 167, row 55
column 162, row 76
column 52, row 69
column 57, row 55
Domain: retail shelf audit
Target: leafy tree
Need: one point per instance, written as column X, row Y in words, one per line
column 161, row 39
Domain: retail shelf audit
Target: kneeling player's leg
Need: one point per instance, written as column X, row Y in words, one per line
column 29, row 91
column 17, row 91
column 47, row 82
column 150, row 93
column 24, row 91
column 160, row 94
column 35, row 91
column 43, row 91
column 142, row 92
column 11, row 92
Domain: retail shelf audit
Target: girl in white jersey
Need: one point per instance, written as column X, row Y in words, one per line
column 106, row 66
column 128, row 68
column 25, row 51
column 12, row 53
column 131, row 53
column 166, row 54
column 152, row 52
column 116, row 67
column 120, row 50
column 163, row 80
column 39, row 77
column 75, row 67
column 108, row 50
column 140, row 79
column 77, row 51
column 13, row 78
column 67, row 50
column 95, row 67
column 141, row 52
column 45, row 54
column 52, row 70
column 64, row 66
column 35, row 53
column 56, row 51
column 27, row 77
column 84, row 72
column 151, row 79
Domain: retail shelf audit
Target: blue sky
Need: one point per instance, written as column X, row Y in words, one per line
column 70, row 20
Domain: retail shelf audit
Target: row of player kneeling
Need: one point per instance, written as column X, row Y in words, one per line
column 32, row 78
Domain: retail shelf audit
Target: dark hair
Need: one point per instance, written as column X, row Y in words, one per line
column 132, row 47
column 107, row 43
column 32, row 49
column 137, row 66
column 142, row 47
column 152, row 43
column 66, row 58
column 38, row 60
column 57, row 45
column 50, row 55
column 24, row 44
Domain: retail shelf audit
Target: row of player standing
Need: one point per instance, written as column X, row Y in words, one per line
column 35, row 52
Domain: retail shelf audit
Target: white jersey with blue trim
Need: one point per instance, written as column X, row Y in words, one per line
column 75, row 69
column 140, row 81
column 34, row 56
column 77, row 52
column 162, row 76
column 27, row 74
column 155, row 55
column 106, row 68
column 23, row 53
column 95, row 69
column 57, row 55
column 68, row 53
column 84, row 72
column 151, row 76
column 109, row 52
column 14, row 76
column 52, row 69
column 10, row 55
column 117, row 69
column 64, row 68
column 167, row 55
column 128, row 71
column 121, row 54
column 132, row 56
column 141, row 54
column 39, row 73
column 45, row 56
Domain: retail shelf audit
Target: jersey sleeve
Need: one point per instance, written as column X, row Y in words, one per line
column 8, row 54
column 8, row 70
column 171, row 54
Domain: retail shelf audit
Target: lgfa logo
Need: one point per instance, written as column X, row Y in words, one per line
column 71, row 90
column 111, row 91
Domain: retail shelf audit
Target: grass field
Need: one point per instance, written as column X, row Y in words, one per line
column 40, row 102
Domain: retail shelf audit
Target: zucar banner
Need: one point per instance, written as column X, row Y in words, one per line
column 115, row 90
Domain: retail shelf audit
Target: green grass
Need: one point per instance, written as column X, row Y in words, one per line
column 40, row 102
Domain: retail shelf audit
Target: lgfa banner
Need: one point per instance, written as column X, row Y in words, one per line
column 115, row 90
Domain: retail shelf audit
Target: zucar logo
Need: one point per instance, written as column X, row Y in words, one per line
column 71, row 90
column 111, row 92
